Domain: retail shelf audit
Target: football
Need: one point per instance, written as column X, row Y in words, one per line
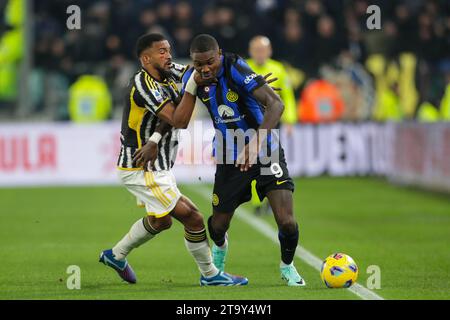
column 339, row 271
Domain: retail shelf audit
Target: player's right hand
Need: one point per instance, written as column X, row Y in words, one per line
column 146, row 156
column 248, row 156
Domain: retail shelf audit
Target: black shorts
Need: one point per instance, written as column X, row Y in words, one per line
column 233, row 187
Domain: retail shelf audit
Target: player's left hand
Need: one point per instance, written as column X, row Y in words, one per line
column 248, row 156
column 269, row 79
column 146, row 156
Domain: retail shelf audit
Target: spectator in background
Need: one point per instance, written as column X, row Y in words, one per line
column 327, row 44
column 147, row 19
column 89, row 100
column 226, row 33
column 183, row 31
column 293, row 47
column 306, row 34
column 164, row 12
column 208, row 21
column 260, row 50
column 11, row 51
column 118, row 70
column 313, row 10
column 407, row 28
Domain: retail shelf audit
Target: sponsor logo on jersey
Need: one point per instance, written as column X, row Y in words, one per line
column 225, row 111
column 227, row 115
column 250, row 78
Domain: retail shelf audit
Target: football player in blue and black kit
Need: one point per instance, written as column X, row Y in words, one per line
column 238, row 100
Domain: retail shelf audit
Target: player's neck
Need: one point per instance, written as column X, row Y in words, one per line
column 154, row 73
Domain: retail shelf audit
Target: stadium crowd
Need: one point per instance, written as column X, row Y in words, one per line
column 401, row 71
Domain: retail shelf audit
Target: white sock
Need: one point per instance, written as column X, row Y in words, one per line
column 198, row 246
column 137, row 235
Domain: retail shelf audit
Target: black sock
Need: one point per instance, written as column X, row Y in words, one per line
column 288, row 243
column 219, row 239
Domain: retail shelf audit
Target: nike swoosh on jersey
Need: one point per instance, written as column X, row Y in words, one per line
column 204, row 100
column 281, row 182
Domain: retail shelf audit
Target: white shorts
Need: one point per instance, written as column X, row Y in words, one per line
column 157, row 190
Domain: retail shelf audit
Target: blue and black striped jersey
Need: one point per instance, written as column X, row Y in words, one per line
column 230, row 102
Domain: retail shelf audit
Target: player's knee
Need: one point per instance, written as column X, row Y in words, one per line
column 220, row 228
column 288, row 225
column 167, row 223
column 162, row 223
column 196, row 221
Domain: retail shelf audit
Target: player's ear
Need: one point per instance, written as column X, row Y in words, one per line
column 145, row 59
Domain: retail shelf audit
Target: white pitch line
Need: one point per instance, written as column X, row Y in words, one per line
column 304, row 255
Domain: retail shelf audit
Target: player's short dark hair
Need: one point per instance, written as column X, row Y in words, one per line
column 146, row 41
column 203, row 43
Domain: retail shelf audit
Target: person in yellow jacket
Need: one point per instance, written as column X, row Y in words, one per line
column 11, row 49
column 89, row 99
column 445, row 102
column 427, row 112
column 260, row 50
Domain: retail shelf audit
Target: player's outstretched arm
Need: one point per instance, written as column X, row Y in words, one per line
column 273, row 104
column 274, row 109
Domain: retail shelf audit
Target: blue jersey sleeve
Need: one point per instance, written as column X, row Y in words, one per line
column 185, row 79
column 245, row 77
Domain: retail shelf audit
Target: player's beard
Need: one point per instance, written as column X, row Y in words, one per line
column 163, row 73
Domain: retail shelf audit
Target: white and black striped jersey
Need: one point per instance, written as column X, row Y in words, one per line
column 145, row 98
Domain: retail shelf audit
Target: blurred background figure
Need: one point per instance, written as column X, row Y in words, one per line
column 260, row 50
column 12, row 43
column 89, row 100
column 393, row 74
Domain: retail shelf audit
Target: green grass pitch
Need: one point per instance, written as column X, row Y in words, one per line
column 404, row 232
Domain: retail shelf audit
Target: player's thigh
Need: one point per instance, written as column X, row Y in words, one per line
column 281, row 202
column 189, row 203
column 274, row 176
column 231, row 188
